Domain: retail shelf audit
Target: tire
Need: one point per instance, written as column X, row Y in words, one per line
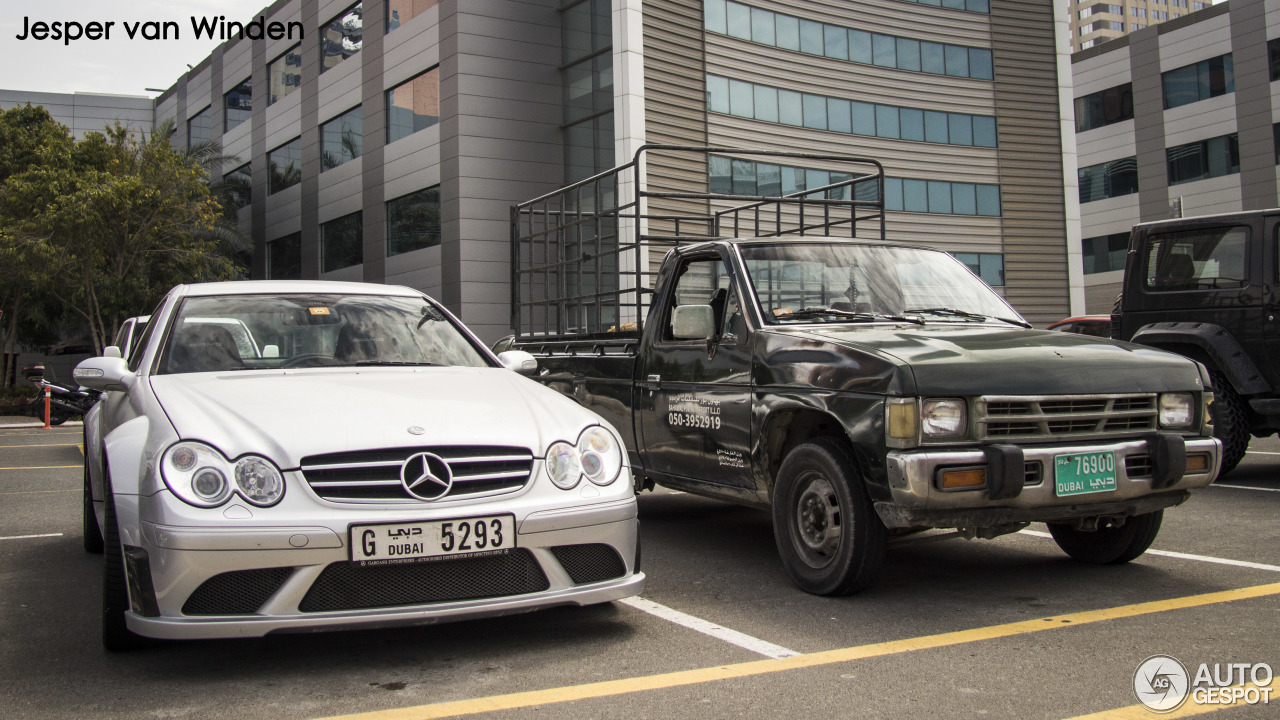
column 1230, row 422
column 116, row 635
column 57, row 418
column 1111, row 545
column 89, row 529
column 828, row 534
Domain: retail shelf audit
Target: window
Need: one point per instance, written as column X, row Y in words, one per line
column 1204, row 259
column 1199, row 5
column 842, row 43
column 239, row 184
column 1109, row 179
column 341, row 139
column 413, row 105
column 413, row 221
column 198, row 128
column 1275, row 139
column 284, row 75
column 237, row 105
column 1104, row 253
column 988, row 266
column 1160, row 15
column 761, row 102
column 284, row 258
column 1108, row 25
column 1103, row 108
column 400, row 12
column 1202, row 160
column 1199, row 81
column 1138, row 12
column 342, row 242
column 1273, row 55
column 587, row 35
column 342, row 37
column 284, row 166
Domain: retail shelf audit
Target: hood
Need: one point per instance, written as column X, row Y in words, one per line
column 291, row 414
column 971, row 359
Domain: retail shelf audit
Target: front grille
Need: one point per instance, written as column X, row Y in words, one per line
column 236, row 593
column 1138, row 466
column 373, row 476
column 596, row 562
column 1058, row 417
column 348, row 586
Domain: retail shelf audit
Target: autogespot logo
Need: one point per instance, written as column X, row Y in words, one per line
column 1161, row 683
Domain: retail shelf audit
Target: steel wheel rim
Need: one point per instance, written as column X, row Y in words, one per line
column 817, row 521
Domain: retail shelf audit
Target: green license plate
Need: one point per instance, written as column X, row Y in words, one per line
column 1082, row 473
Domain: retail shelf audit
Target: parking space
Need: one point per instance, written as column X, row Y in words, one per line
column 1004, row 628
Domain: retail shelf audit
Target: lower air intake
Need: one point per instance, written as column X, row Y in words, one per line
column 590, row 563
column 236, row 593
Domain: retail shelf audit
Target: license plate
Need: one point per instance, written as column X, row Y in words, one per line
column 406, row 542
column 1082, row 473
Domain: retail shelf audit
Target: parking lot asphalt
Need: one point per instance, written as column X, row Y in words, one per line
column 1009, row 628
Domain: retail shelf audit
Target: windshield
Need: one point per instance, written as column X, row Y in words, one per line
column 250, row 332
column 800, row 282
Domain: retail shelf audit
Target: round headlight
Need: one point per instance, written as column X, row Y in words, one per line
column 196, row 473
column 601, row 455
column 943, row 418
column 564, row 465
column 209, row 484
column 1176, row 410
column 259, row 481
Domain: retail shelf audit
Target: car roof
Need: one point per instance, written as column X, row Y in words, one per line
column 287, row 287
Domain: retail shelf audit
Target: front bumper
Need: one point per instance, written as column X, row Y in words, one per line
column 185, row 560
column 917, row 501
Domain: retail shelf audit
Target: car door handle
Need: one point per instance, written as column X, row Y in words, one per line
column 653, row 382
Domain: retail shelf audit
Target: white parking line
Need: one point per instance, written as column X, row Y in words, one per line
column 1186, row 556
column 733, row 637
column 28, row 537
column 1260, row 452
column 1244, row 487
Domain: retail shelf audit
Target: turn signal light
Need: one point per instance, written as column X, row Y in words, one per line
column 1197, row 462
column 960, row 479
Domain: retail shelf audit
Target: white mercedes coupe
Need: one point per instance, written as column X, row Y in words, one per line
column 369, row 463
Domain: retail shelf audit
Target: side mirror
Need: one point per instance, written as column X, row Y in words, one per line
column 518, row 361
column 111, row 351
column 693, row 322
column 104, row 373
column 270, row 351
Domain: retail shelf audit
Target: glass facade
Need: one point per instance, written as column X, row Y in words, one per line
column 237, row 105
column 1108, row 179
column 284, row 258
column 1104, row 108
column 240, row 184
column 1202, row 160
column 400, row 12
column 341, row 139
column 198, row 128
column 1105, row 253
column 413, row 221
column 1199, row 81
column 836, row 41
column 1273, row 58
column 587, row 42
column 284, row 166
column 413, row 105
column 342, row 37
column 988, row 266
column 787, row 107
column 342, row 242
column 284, row 75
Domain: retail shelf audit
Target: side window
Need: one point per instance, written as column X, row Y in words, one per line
column 1204, row 259
column 122, row 336
column 701, row 281
column 140, row 343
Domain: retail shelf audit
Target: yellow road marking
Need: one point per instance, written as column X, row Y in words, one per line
column 42, row 467
column 760, row 667
column 1188, row 709
column 4, row 447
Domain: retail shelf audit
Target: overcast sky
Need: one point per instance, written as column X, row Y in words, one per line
column 118, row 66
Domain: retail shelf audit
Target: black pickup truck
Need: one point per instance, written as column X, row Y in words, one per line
column 858, row 388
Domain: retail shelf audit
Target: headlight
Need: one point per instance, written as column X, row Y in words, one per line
column 943, row 418
column 901, row 422
column 1177, row 410
column 563, row 466
column 200, row 475
column 597, row 455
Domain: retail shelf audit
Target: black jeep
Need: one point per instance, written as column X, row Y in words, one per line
column 1205, row 287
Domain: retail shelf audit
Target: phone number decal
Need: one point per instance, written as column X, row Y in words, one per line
column 691, row 420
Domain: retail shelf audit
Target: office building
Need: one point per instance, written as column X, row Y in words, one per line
column 1093, row 23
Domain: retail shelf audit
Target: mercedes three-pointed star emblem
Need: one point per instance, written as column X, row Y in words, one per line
column 426, row 476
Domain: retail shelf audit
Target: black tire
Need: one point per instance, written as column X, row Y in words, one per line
column 89, row 528
column 57, row 418
column 828, row 534
column 1230, row 422
column 1110, row 545
column 116, row 635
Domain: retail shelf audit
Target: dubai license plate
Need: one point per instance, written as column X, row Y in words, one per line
column 1082, row 473
column 405, row 542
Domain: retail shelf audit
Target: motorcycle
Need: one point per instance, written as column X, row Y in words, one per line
column 65, row 402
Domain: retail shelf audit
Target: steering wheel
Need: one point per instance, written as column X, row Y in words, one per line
column 313, row 360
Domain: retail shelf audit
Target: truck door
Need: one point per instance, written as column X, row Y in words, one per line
column 696, row 422
column 1269, row 361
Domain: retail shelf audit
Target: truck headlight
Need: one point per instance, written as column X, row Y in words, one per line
column 1177, row 410
column 198, row 475
column 944, row 418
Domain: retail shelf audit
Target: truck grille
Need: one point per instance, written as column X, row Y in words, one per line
column 1059, row 417
column 373, row 476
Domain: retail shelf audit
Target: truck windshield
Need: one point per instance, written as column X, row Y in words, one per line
column 800, row 281
column 250, row 332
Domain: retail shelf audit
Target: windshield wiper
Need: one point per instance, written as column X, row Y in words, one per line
column 846, row 314
column 375, row 363
column 953, row 312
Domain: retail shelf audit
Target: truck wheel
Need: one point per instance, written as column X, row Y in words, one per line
column 89, row 522
column 828, row 534
column 1230, row 422
column 116, row 635
column 1110, row 545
